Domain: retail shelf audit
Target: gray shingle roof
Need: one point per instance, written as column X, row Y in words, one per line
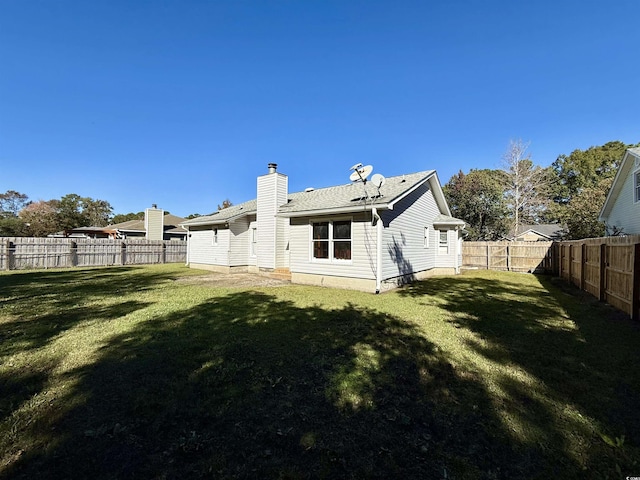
column 352, row 195
column 339, row 197
column 171, row 223
column 550, row 230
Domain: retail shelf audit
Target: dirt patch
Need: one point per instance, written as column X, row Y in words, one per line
column 233, row 280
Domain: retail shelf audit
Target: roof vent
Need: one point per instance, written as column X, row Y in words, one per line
column 272, row 167
column 309, row 189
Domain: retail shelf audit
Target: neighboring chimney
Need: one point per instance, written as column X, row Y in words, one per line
column 154, row 223
column 272, row 193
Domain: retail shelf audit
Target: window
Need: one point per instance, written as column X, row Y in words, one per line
column 331, row 240
column 254, row 241
column 443, row 242
column 426, row 237
column 636, row 186
column 215, row 236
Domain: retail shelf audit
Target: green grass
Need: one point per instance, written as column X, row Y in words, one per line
column 133, row 373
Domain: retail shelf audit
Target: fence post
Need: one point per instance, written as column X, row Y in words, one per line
column 635, row 299
column 163, row 255
column 603, row 271
column 508, row 258
column 488, row 257
column 123, row 253
column 583, row 256
column 9, row 248
column 73, row 253
column 570, row 263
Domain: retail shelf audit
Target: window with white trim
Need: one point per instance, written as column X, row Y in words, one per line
column 254, row 241
column 636, row 186
column 443, row 242
column 331, row 240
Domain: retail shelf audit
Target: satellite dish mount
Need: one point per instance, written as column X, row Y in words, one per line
column 360, row 173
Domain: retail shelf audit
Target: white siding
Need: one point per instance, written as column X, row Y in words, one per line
column 625, row 212
column 239, row 242
column 272, row 192
column 363, row 248
column 403, row 250
column 202, row 249
column 448, row 259
column 282, row 243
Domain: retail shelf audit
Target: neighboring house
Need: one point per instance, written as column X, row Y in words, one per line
column 621, row 210
column 538, row 233
column 156, row 225
column 351, row 236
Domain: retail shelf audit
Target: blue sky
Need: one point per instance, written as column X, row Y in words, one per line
column 183, row 103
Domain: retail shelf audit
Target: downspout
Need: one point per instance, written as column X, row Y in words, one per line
column 374, row 214
column 455, row 250
column 188, row 242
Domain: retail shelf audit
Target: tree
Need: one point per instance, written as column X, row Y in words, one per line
column 125, row 217
column 583, row 179
column 41, row 218
column 477, row 198
column 11, row 202
column 97, row 212
column 226, row 203
column 526, row 185
column 587, row 168
column 581, row 218
column 193, row 215
column 74, row 211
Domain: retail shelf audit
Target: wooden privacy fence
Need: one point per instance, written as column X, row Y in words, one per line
column 18, row 253
column 608, row 268
column 509, row 256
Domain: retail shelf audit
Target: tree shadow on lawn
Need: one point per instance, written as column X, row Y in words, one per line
column 44, row 304
column 575, row 361
column 249, row 386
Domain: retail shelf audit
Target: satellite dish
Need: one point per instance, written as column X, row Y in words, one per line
column 378, row 180
column 361, row 173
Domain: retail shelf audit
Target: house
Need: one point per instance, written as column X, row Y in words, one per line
column 621, row 210
column 359, row 235
column 156, row 225
column 538, row 233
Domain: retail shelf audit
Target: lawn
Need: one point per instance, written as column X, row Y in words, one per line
column 141, row 372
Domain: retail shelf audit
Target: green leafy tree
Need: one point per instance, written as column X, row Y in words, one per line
column 477, row 198
column 74, row 211
column 126, row 217
column 11, row 202
column 583, row 179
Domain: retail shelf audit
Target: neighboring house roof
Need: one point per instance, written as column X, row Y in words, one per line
column 552, row 231
column 629, row 161
column 171, row 225
column 340, row 199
